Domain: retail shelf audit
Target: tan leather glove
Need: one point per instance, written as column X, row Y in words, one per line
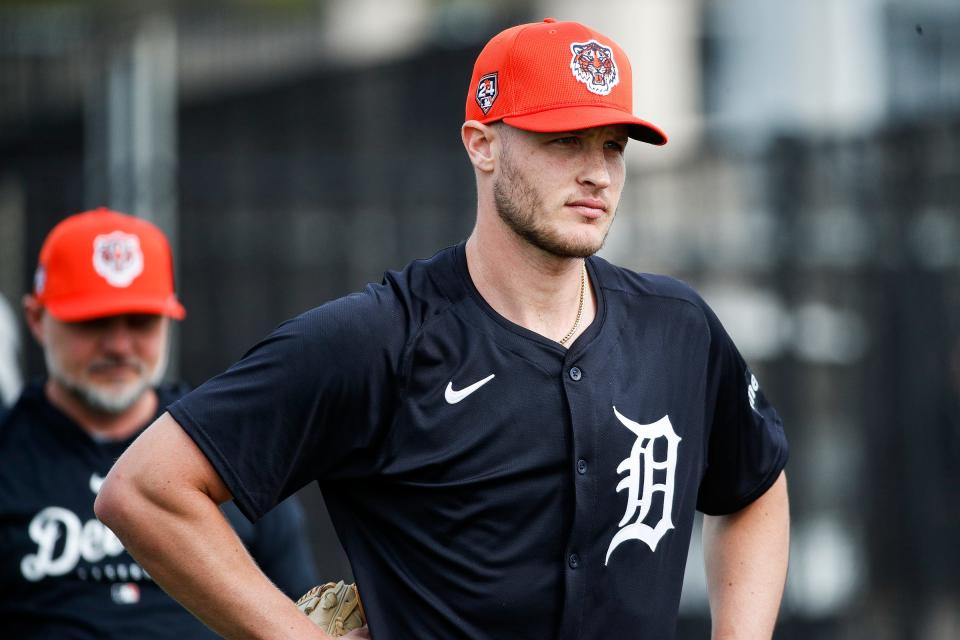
column 334, row 607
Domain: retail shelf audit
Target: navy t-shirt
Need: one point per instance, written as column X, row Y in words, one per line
column 485, row 481
column 63, row 574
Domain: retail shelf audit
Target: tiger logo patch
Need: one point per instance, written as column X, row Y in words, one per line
column 117, row 257
column 594, row 66
column 487, row 91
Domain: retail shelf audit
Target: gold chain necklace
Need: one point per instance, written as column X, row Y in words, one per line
column 576, row 323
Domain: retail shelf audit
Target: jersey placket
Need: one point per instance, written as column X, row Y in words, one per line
column 578, row 379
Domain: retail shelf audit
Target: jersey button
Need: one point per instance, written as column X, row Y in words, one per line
column 575, row 373
column 581, row 466
column 573, row 561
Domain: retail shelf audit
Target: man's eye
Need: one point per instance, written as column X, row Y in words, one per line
column 616, row 146
column 568, row 140
column 142, row 321
column 96, row 324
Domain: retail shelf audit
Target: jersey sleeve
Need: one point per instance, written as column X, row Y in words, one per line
column 747, row 446
column 304, row 404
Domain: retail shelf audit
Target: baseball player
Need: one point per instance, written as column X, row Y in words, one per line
column 101, row 310
column 512, row 436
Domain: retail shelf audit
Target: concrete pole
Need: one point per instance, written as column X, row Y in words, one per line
column 131, row 122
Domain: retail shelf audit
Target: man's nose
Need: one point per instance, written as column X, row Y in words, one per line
column 118, row 337
column 595, row 171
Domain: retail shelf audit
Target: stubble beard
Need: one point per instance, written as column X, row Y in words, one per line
column 109, row 401
column 517, row 204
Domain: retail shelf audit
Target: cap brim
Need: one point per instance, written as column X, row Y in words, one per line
column 586, row 117
column 89, row 309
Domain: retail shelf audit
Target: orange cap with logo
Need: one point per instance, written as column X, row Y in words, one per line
column 103, row 263
column 555, row 76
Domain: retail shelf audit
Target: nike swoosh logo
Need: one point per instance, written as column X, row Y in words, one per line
column 454, row 396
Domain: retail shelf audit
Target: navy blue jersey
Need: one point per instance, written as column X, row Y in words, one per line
column 63, row 574
column 485, row 481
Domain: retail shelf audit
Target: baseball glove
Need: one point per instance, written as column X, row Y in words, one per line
column 334, row 607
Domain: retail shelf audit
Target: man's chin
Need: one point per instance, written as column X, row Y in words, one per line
column 112, row 399
column 577, row 241
column 582, row 246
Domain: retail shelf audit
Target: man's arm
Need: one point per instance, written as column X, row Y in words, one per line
column 161, row 499
column 279, row 545
column 746, row 561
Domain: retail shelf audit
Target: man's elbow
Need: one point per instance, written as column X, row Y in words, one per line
column 114, row 502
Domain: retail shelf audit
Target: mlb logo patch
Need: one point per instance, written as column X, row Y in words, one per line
column 487, row 91
column 125, row 593
column 118, row 258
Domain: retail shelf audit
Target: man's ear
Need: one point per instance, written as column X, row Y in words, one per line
column 478, row 140
column 33, row 312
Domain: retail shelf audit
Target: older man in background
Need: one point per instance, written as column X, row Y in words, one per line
column 101, row 309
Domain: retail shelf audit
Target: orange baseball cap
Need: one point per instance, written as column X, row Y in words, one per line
column 103, row 263
column 555, row 76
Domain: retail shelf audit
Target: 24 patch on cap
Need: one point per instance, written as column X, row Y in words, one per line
column 487, row 90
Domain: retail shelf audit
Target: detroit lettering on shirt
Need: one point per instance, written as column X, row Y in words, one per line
column 63, row 574
column 484, row 481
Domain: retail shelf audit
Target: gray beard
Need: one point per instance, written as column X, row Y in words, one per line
column 100, row 400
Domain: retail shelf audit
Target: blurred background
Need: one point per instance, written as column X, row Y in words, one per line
column 293, row 150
